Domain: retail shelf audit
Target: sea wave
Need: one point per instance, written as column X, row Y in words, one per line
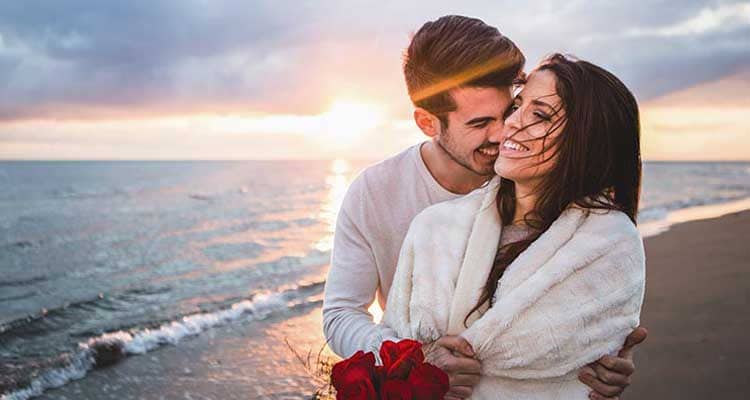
column 74, row 192
column 663, row 218
column 53, row 318
column 647, row 213
column 22, row 282
column 110, row 347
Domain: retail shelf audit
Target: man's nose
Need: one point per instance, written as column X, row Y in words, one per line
column 496, row 133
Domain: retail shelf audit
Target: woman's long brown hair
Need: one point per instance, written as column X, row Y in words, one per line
column 598, row 164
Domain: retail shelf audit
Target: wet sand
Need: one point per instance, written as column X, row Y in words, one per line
column 696, row 310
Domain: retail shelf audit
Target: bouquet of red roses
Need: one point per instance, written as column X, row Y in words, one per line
column 403, row 376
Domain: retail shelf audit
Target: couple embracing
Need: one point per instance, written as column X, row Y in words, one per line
column 506, row 244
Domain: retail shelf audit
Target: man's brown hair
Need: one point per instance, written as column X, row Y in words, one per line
column 456, row 51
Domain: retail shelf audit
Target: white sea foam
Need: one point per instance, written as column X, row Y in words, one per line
column 144, row 340
column 668, row 219
column 77, row 368
column 148, row 339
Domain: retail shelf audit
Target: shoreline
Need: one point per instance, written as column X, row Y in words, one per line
column 691, row 214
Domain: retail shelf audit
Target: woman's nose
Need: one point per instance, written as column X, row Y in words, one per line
column 512, row 124
column 513, row 120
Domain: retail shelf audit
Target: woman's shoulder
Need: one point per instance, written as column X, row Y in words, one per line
column 611, row 226
column 606, row 219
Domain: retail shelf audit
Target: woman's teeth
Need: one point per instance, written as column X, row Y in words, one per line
column 508, row 144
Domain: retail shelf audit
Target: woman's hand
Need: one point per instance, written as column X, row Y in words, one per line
column 454, row 355
column 610, row 376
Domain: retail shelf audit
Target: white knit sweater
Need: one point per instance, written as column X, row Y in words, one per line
column 570, row 298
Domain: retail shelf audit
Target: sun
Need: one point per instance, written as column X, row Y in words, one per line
column 346, row 121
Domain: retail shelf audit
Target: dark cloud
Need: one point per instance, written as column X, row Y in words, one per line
column 634, row 42
column 657, row 68
column 131, row 53
column 269, row 55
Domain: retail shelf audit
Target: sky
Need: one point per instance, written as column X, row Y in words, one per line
column 223, row 79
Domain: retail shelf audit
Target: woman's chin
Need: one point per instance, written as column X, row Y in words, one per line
column 519, row 171
column 504, row 170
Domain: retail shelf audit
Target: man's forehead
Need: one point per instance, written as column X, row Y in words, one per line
column 471, row 99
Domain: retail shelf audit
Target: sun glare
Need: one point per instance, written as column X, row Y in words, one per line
column 346, row 121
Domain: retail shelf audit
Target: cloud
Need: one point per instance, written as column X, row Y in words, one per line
column 706, row 121
column 724, row 17
column 127, row 54
column 707, row 43
column 95, row 59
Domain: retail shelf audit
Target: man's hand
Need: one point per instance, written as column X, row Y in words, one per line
column 454, row 355
column 611, row 375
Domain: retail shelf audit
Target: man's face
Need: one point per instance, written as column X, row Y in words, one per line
column 474, row 129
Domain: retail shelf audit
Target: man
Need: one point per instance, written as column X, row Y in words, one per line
column 459, row 74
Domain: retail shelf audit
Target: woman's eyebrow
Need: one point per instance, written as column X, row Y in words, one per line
column 537, row 102
column 543, row 104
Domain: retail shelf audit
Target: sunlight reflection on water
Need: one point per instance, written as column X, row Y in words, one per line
column 337, row 181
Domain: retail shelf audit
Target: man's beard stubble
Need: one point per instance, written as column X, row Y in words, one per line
column 444, row 142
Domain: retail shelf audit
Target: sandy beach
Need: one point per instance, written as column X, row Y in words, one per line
column 698, row 293
column 696, row 311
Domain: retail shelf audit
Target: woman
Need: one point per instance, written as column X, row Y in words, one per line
column 542, row 270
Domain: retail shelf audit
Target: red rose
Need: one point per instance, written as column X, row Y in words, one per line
column 396, row 389
column 428, row 382
column 381, row 373
column 400, row 358
column 353, row 377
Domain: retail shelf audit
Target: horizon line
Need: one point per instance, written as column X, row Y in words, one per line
column 299, row 159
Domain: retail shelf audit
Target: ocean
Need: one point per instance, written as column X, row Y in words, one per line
column 102, row 260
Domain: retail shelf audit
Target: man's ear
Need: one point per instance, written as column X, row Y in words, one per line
column 427, row 122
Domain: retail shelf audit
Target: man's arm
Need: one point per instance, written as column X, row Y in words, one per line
column 610, row 376
column 351, row 284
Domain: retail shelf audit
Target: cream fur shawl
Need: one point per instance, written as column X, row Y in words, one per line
column 570, row 298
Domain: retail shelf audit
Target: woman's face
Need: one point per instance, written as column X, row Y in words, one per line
column 536, row 118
